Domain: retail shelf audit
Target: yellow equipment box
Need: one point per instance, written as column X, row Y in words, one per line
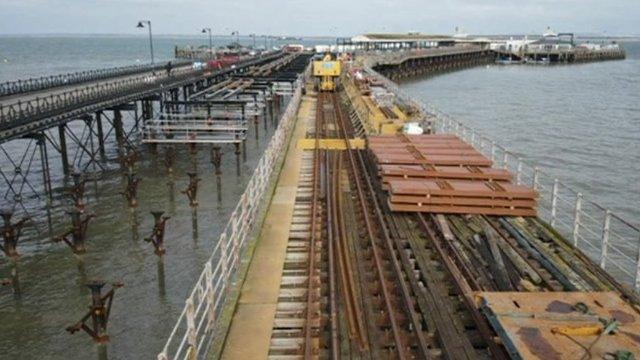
column 326, row 68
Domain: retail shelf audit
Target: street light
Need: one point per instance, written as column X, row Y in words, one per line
column 254, row 40
column 140, row 26
column 208, row 30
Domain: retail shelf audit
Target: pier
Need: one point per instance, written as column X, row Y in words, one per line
column 372, row 226
column 377, row 244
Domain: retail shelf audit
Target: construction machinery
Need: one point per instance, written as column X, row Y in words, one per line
column 326, row 72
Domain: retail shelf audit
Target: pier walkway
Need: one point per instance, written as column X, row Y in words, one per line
column 259, row 292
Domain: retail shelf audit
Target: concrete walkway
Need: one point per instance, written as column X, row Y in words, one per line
column 250, row 331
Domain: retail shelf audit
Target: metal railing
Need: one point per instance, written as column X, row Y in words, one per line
column 47, row 82
column 605, row 237
column 24, row 112
column 195, row 326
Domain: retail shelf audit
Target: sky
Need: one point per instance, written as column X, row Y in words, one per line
column 320, row 17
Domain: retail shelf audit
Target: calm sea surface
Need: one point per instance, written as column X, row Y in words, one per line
column 581, row 122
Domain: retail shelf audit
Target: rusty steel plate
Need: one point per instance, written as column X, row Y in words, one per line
column 434, row 159
column 461, row 188
column 453, row 201
column 391, row 171
column 548, row 325
column 425, row 151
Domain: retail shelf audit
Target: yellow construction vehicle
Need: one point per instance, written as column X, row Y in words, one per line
column 326, row 72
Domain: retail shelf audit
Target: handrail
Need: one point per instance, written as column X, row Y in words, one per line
column 199, row 319
column 22, row 86
column 591, row 223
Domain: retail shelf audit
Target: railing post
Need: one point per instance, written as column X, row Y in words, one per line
column 505, row 160
column 605, row 238
column 576, row 219
column 519, row 172
column 493, row 151
column 554, row 202
column 536, row 174
column 191, row 325
column 209, row 295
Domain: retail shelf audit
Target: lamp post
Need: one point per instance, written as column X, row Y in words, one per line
column 254, row 40
column 208, row 30
column 140, row 26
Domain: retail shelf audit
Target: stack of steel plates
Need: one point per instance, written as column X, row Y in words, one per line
column 443, row 174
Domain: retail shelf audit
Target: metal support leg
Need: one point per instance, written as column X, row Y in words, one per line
column 100, row 133
column 117, row 126
column 63, row 149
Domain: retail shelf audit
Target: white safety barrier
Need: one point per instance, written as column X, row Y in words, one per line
column 191, row 336
column 609, row 240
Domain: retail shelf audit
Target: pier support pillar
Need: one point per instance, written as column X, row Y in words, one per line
column 63, row 149
column 117, row 126
column 100, row 132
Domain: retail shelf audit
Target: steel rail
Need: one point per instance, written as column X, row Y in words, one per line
column 415, row 321
column 331, row 220
column 402, row 348
column 353, row 309
column 308, row 346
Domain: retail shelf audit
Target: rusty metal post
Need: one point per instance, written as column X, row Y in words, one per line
column 192, row 189
column 11, row 234
column 605, row 239
column 576, row 219
column 157, row 234
column 554, row 202
column 44, row 161
column 131, row 190
column 76, row 192
column 99, row 312
column 75, row 236
column 216, row 160
column 128, row 158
